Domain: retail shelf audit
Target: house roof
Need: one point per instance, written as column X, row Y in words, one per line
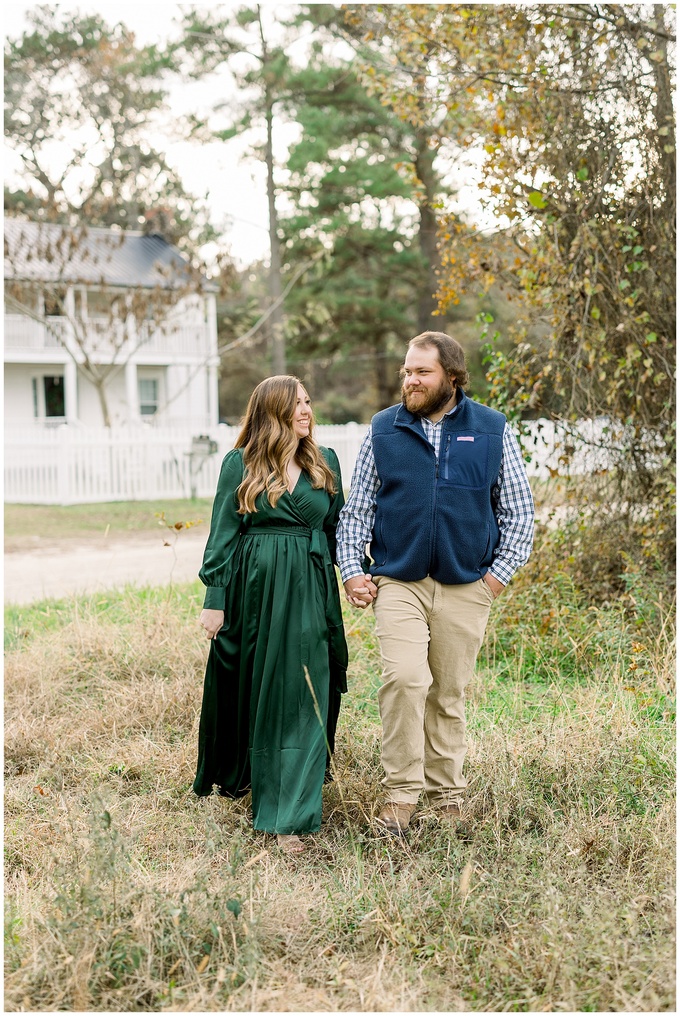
column 48, row 252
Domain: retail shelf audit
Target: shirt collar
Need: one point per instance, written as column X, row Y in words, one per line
column 441, row 420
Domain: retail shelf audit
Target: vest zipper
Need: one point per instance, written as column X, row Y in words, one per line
column 446, row 457
column 434, row 510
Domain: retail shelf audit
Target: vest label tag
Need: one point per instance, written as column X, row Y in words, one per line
column 464, row 439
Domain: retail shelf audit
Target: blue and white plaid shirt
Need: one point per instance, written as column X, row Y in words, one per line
column 511, row 495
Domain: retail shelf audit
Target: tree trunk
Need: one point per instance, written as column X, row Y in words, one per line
column 427, row 235
column 384, row 378
column 664, row 115
column 100, row 385
column 278, row 341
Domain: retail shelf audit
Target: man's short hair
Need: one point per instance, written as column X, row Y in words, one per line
column 450, row 352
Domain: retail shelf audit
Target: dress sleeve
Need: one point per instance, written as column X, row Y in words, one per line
column 224, row 529
column 331, row 520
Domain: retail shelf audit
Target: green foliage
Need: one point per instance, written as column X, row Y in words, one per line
column 495, row 359
column 536, row 200
column 347, row 181
column 73, row 79
column 560, row 634
column 575, row 117
column 349, row 177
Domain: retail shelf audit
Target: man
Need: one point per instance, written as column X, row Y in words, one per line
column 441, row 494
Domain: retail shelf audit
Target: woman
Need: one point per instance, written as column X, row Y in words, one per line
column 278, row 656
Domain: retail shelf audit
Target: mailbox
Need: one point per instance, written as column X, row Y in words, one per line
column 202, row 445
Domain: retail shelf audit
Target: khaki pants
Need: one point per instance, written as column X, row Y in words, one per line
column 429, row 635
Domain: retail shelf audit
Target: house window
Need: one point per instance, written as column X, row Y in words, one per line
column 54, row 396
column 55, row 302
column 104, row 304
column 48, row 396
column 148, row 396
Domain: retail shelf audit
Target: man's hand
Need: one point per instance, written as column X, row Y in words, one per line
column 494, row 585
column 360, row 590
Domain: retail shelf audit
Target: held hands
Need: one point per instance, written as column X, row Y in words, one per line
column 211, row 621
column 361, row 591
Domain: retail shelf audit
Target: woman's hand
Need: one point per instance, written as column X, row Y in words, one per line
column 211, row 621
column 360, row 591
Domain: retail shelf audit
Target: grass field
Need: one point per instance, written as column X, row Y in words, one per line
column 54, row 523
column 124, row 892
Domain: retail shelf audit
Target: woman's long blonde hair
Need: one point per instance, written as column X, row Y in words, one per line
column 268, row 441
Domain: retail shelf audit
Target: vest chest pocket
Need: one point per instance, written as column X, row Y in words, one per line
column 464, row 460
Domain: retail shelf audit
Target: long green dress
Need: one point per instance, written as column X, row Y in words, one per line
column 261, row 726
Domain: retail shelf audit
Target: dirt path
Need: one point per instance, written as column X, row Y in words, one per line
column 38, row 568
column 56, row 569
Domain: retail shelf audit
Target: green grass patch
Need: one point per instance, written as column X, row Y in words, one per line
column 124, row 892
column 24, row 624
column 23, row 522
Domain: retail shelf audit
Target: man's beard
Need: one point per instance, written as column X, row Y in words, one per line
column 427, row 403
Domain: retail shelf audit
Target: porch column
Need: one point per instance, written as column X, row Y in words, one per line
column 213, row 407
column 69, row 331
column 70, row 391
column 211, row 322
column 214, row 361
column 131, row 392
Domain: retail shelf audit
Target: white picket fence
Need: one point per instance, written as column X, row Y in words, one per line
column 78, row 465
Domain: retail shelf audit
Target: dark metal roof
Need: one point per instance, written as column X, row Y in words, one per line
column 47, row 252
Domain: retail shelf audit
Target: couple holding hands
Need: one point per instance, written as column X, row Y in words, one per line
column 440, row 494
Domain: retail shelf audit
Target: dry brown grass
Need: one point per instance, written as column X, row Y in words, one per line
column 126, row 893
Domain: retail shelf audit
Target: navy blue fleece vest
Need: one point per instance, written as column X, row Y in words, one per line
column 436, row 518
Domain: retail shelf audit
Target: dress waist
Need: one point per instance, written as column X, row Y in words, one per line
column 317, row 537
column 280, row 531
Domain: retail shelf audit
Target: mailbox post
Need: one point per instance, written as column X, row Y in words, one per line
column 202, row 447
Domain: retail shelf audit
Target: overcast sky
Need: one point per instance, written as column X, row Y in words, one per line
column 235, row 189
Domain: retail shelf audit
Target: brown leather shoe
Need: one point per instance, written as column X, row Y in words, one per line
column 452, row 812
column 395, row 817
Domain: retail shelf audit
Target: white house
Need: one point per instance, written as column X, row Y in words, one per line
column 109, row 324
column 105, row 326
